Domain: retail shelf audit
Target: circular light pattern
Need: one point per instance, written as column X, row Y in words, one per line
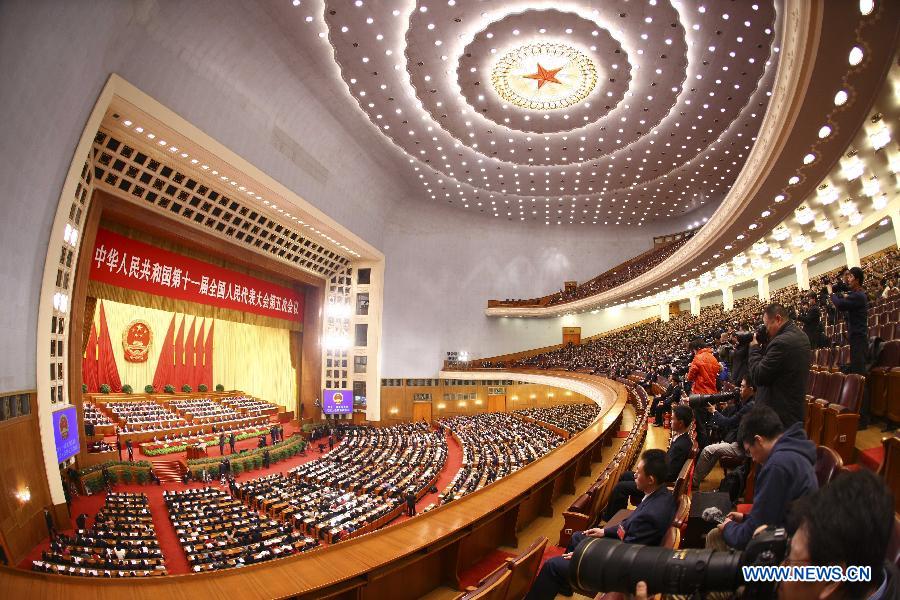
column 824, row 132
column 666, row 127
column 866, row 6
column 856, row 56
column 840, row 98
column 809, row 158
column 544, row 76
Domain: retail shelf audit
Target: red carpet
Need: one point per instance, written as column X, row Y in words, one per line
column 176, row 563
column 451, row 467
column 552, row 552
column 486, row 565
column 872, row 458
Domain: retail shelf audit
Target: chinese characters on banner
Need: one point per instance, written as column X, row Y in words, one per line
column 131, row 264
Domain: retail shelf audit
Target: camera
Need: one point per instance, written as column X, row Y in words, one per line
column 762, row 335
column 743, row 337
column 607, row 565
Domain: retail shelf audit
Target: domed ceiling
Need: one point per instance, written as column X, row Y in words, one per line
column 613, row 112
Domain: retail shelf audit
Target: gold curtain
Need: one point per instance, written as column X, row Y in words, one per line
column 251, row 358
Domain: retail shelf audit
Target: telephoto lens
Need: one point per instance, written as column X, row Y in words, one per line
column 762, row 335
column 601, row 564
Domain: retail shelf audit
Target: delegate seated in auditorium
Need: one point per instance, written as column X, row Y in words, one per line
column 704, row 370
column 646, row 525
column 780, row 368
column 728, row 426
column 786, row 460
column 832, row 530
column 663, row 403
column 679, row 451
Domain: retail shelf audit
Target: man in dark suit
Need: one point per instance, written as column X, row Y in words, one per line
column 679, row 451
column 130, row 447
column 222, row 444
column 231, row 441
column 663, row 403
column 780, row 368
column 812, row 321
column 646, row 525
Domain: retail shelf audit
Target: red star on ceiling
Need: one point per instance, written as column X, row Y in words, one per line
column 544, row 76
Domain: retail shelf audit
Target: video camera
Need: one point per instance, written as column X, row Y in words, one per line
column 607, row 565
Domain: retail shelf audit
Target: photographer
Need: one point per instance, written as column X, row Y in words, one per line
column 663, row 403
column 729, row 447
column 780, row 367
column 786, row 459
column 704, row 370
column 812, row 322
column 853, row 301
column 646, row 525
column 740, row 356
column 833, row 530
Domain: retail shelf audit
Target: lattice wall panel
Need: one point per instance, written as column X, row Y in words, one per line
column 122, row 168
column 335, row 363
column 67, row 250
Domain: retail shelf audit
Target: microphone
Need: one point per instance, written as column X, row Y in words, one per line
column 713, row 515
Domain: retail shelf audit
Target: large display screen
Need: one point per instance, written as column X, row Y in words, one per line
column 65, row 432
column 338, row 402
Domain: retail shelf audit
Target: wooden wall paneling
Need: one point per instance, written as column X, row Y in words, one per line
column 485, row 538
column 421, row 411
column 77, row 310
column 311, row 353
column 415, row 577
column 538, row 504
column 22, row 466
column 497, row 403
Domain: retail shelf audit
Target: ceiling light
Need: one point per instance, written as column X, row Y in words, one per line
column 827, row 195
column 781, row 233
column 880, row 136
column 879, row 202
column 866, row 7
column 822, row 225
column 871, row 187
column 824, row 132
column 804, row 214
column 852, row 167
column 809, row 158
column 856, row 56
column 840, row 98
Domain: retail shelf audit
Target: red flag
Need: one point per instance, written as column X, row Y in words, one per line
column 178, row 379
column 108, row 372
column 208, row 357
column 197, row 357
column 165, row 370
column 89, row 362
column 189, row 351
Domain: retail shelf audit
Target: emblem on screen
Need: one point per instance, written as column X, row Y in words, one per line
column 338, row 398
column 337, row 402
column 136, row 340
column 64, row 427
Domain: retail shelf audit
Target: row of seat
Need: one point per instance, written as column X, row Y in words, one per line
column 832, row 410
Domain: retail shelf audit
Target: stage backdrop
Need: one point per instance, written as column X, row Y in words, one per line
column 252, row 358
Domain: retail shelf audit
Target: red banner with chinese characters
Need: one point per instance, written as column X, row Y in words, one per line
column 131, row 264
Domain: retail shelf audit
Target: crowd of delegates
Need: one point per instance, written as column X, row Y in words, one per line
column 121, row 543
column 568, row 417
column 321, row 512
column 386, row 461
column 204, row 410
column 144, row 415
column 93, row 415
column 493, row 446
column 220, row 532
column 250, row 406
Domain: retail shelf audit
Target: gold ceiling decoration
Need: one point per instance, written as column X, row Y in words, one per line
column 544, row 76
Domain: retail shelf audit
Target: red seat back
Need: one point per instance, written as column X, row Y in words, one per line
column 832, row 388
column 818, row 386
column 828, row 464
column 852, row 392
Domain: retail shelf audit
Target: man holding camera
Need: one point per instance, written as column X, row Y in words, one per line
column 646, row 525
column 854, row 303
column 780, row 357
column 704, row 369
column 786, row 460
column 729, row 447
